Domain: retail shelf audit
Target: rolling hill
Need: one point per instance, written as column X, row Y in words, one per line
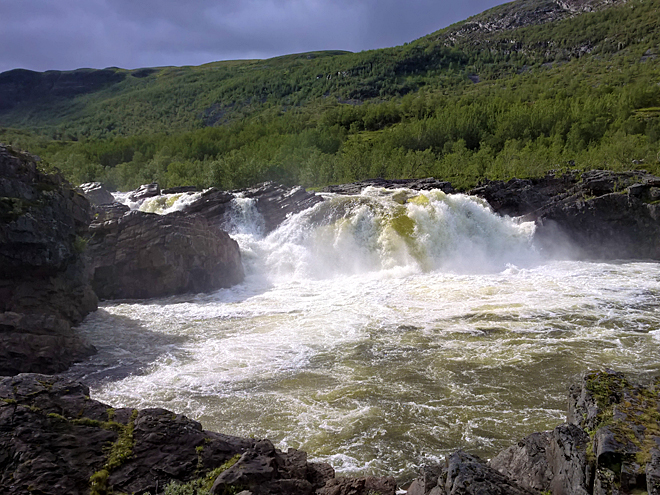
column 526, row 87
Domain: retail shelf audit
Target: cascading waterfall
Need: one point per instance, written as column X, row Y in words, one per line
column 379, row 332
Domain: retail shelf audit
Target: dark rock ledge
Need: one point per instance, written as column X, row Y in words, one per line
column 44, row 280
column 54, row 439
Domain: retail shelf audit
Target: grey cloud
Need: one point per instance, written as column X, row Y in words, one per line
column 42, row 34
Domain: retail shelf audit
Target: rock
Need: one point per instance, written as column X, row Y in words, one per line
column 144, row 191
column 264, row 470
column 554, row 461
column 623, row 419
column 466, row 474
column 213, row 204
column 596, row 215
column 55, row 439
column 359, row 486
column 44, row 280
column 415, row 184
column 97, row 193
column 273, row 201
column 527, row 461
column 518, row 197
column 276, row 202
column 143, row 255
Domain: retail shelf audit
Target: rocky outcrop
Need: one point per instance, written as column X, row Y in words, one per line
column 273, row 201
column 55, row 439
column 415, row 184
column 605, row 215
column 44, row 281
column 609, row 445
column 138, row 255
column 593, row 215
column 276, row 202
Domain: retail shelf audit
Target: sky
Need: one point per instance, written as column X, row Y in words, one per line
column 69, row 34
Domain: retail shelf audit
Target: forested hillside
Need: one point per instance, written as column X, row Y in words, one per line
column 524, row 88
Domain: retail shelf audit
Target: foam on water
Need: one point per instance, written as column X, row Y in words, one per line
column 379, row 332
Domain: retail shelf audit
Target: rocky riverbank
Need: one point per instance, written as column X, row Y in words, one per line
column 610, row 444
column 44, row 279
column 55, row 439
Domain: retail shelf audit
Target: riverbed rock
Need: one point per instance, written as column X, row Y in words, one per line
column 55, row 439
column 44, row 280
column 142, row 255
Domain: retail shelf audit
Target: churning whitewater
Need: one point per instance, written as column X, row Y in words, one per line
column 378, row 332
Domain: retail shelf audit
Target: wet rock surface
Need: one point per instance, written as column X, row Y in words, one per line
column 44, row 280
column 594, row 215
column 138, row 255
column 55, row 439
column 609, row 445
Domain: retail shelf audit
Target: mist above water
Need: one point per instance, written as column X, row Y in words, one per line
column 379, row 332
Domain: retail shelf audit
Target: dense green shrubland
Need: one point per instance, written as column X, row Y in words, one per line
column 409, row 111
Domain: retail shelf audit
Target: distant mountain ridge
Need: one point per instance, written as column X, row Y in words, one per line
column 225, row 91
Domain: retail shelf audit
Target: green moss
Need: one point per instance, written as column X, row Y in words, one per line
column 87, row 422
column 122, row 449
column 119, row 453
column 636, row 410
column 98, row 483
column 9, row 401
column 203, row 485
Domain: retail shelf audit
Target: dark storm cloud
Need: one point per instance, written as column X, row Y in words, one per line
column 68, row 34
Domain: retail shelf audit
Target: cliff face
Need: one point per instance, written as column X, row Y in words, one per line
column 44, row 281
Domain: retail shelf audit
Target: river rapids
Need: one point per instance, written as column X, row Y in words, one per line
column 379, row 332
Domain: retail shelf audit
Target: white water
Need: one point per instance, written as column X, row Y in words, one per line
column 381, row 331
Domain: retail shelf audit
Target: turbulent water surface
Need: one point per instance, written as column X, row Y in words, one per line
column 379, row 332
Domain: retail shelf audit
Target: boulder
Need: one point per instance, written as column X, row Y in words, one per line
column 55, row 439
column 96, row 193
column 142, row 255
column 44, row 280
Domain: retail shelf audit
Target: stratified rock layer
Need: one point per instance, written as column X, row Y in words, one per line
column 137, row 255
column 55, row 439
column 44, row 281
column 594, row 215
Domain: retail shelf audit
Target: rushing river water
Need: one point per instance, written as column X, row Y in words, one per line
column 379, row 332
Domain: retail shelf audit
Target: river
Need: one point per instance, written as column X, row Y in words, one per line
column 379, row 332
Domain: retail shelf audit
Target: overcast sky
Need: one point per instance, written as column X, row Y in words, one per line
column 70, row 34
